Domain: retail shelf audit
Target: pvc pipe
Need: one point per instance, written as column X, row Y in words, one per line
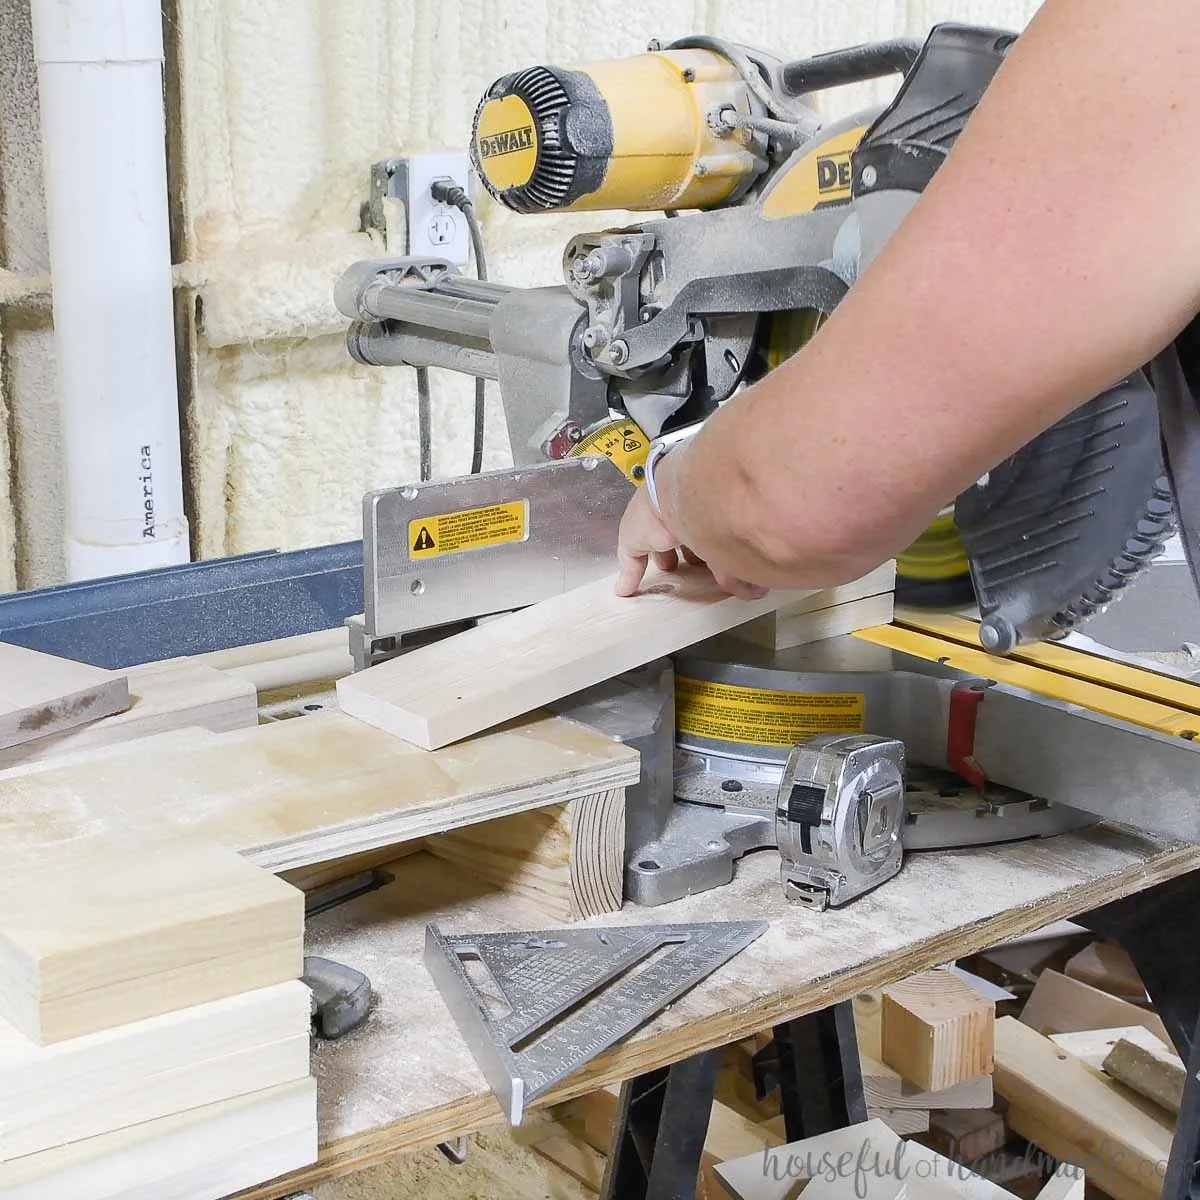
column 100, row 85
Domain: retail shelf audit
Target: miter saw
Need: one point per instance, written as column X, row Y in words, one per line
column 768, row 216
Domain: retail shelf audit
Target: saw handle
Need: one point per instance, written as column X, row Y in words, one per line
column 855, row 64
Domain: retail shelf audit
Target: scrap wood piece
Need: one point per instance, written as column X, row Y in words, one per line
column 1107, row 966
column 440, row 693
column 163, row 696
column 1140, row 1061
column 887, row 1088
column 870, row 1152
column 143, row 1070
column 1098, row 1169
column 211, row 1151
column 1059, row 1004
column 936, row 1030
column 1092, row 1046
column 318, row 787
column 966, row 1135
column 41, row 694
column 99, row 932
column 1096, row 1113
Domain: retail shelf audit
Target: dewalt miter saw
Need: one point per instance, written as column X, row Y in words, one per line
column 763, row 217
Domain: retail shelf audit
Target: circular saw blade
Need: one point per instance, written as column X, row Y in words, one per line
column 1056, row 532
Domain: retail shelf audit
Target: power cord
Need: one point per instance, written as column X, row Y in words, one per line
column 446, row 191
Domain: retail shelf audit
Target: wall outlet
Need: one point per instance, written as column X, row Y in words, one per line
column 434, row 230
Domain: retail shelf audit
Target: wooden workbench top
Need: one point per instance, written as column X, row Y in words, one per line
column 407, row 1079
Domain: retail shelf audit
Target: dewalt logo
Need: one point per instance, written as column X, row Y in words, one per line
column 833, row 174
column 508, row 141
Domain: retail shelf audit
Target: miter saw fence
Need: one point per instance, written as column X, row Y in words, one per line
column 775, row 213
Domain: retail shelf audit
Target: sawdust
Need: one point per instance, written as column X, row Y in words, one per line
column 498, row 1167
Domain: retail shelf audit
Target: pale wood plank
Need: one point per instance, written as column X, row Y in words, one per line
column 41, row 694
column 298, row 792
column 967, row 1135
column 197, row 1155
column 456, row 687
column 1140, row 1061
column 780, row 631
column 1098, row 1169
column 937, row 1030
column 164, row 696
column 1062, row 1005
column 1093, row 1111
column 87, row 1086
column 1092, row 1045
column 101, row 931
column 1064, row 1185
column 886, row 1088
column 378, row 1099
column 568, row 859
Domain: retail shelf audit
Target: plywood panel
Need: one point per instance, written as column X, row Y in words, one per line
column 323, row 786
column 41, row 694
column 474, row 680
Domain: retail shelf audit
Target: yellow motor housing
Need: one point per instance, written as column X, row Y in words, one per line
column 628, row 133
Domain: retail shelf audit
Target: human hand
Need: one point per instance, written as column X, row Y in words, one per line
column 644, row 536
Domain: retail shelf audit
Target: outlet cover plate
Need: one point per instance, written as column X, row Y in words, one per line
column 435, row 230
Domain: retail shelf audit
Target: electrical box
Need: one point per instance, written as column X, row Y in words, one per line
column 434, row 230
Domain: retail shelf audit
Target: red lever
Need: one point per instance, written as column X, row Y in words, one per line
column 965, row 699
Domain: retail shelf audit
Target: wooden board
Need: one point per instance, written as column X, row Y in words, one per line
column 1141, row 1062
column 87, row 1086
column 777, row 632
column 99, row 932
column 1062, row 1005
column 1093, row 1111
column 198, row 1155
column 568, row 859
column 163, row 696
column 1099, row 1169
column 966, row 1135
column 887, row 1088
column 856, row 605
column 41, row 694
column 318, row 787
column 474, row 680
column 936, row 1030
column 380, row 1095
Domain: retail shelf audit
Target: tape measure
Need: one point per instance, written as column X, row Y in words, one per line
column 624, row 442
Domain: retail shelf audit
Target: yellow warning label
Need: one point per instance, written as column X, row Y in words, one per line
column 623, row 442
column 469, row 529
column 761, row 716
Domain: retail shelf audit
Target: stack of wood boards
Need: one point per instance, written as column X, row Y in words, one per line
column 451, row 689
column 153, row 1028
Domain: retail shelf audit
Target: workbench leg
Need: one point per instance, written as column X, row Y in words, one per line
column 662, row 1121
column 1156, row 928
column 814, row 1062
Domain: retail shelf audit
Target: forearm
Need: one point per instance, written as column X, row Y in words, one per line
column 1056, row 251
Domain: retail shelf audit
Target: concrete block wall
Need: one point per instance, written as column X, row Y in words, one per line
column 283, row 105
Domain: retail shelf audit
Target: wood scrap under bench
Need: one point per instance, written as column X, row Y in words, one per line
column 1141, row 1062
column 1059, row 1004
column 936, row 1030
column 41, row 694
column 440, row 693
